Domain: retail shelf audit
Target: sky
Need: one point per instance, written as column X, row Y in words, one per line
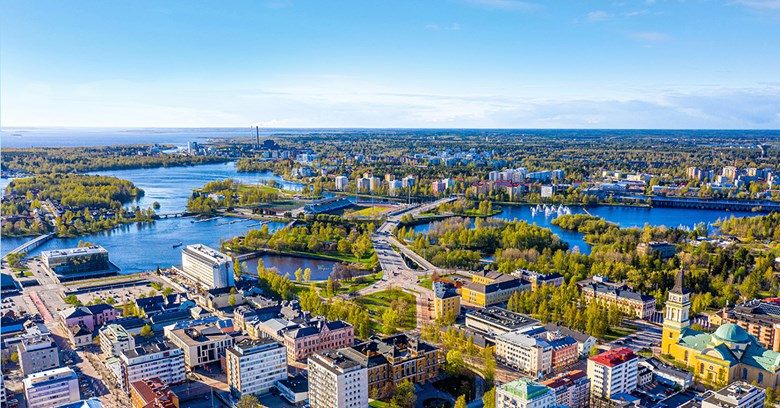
column 377, row 64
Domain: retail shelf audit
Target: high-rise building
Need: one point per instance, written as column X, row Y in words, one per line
column 202, row 344
column 363, row 184
column 38, row 353
column 528, row 354
column 408, row 181
column 114, row 339
column 612, row 372
column 207, row 267
column 374, row 183
column 51, row 388
column 255, row 365
column 524, row 393
column 337, row 382
column 341, row 183
column 730, row 172
column 736, row 395
column 162, row 360
column 571, row 389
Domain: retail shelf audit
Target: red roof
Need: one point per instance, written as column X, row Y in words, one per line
column 614, row 357
column 564, row 379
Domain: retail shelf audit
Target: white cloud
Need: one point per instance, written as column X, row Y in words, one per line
column 443, row 27
column 761, row 4
column 504, row 4
column 597, row 16
column 649, row 36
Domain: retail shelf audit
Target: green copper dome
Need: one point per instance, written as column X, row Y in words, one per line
column 732, row 333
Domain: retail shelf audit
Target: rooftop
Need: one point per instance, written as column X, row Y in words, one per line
column 525, row 388
column 614, row 357
column 501, row 317
column 94, row 249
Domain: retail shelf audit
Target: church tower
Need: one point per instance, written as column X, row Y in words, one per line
column 678, row 307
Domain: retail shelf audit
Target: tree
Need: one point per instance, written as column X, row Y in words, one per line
column 147, row 331
column 232, row 300
column 298, row 274
column 248, row 401
column 461, row 402
column 405, row 396
column 390, row 320
column 15, row 357
column 167, row 291
column 72, row 300
column 237, row 268
column 490, row 365
column 489, row 399
column 455, row 363
column 307, row 274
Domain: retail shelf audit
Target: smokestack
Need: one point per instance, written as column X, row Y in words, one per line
column 257, row 133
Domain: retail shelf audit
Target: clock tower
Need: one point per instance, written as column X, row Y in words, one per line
column 678, row 307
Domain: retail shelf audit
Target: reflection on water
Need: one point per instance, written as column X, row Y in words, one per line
column 320, row 269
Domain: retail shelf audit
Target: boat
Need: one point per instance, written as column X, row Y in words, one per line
column 178, row 245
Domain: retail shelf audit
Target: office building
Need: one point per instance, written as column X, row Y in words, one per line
column 571, row 389
column 254, row 366
column 489, row 288
column 496, row 321
column 538, row 279
column 161, row 360
column 51, row 388
column 584, row 341
column 207, row 267
column 202, row 344
column 760, row 319
column 315, row 336
column 664, row 250
column 612, row 372
column 152, row 393
column 736, row 395
column 630, row 302
column 114, row 339
column 38, row 353
column 446, row 301
column 78, row 263
column 294, row 389
column 337, row 382
column 531, row 355
column 524, row 393
column 341, row 183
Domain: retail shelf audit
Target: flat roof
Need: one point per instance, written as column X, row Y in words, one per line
column 94, row 249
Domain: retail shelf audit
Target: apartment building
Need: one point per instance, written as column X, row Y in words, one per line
column 612, row 372
column 161, row 360
column 446, row 300
column 736, row 395
column 630, row 302
column 255, row 365
column 114, row 339
column 759, row 318
column 202, row 344
column 152, row 393
column 341, row 183
column 524, row 393
column 207, row 267
column 497, row 321
column 571, row 389
column 528, row 354
column 489, row 288
column 337, row 382
column 51, row 388
column 315, row 336
column 38, row 353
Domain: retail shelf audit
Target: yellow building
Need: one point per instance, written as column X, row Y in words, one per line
column 445, row 300
column 730, row 354
column 492, row 288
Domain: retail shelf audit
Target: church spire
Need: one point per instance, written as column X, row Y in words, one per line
column 679, row 283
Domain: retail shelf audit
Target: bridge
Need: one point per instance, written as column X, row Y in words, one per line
column 727, row 205
column 174, row 214
column 32, row 244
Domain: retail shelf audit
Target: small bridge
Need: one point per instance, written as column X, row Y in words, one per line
column 174, row 214
column 32, row 244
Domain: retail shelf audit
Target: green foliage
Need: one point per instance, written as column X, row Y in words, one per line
column 755, row 228
column 72, row 300
column 147, row 331
column 489, row 398
column 232, row 300
column 15, row 258
column 455, row 363
column 15, row 357
column 461, row 402
column 271, row 283
column 248, row 401
column 405, row 396
column 586, row 224
column 156, row 286
column 338, row 309
column 167, row 291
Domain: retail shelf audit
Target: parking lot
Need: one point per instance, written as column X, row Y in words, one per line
column 646, row 337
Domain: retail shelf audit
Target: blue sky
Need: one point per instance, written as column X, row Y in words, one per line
column 423, row 63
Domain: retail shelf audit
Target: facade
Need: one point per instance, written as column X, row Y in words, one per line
column 760, row 319
column 531, row 355
column 90, row 317
column 628, row 301
column 337, row 382
column 445, row 300
column 524, row 393
column 736, row 395
column 38, row 353
column 539, row 279
column 79, row 336
column 341, row 183
column 206, row 266
column 316, row 336
column 152, row 393
column 664, row 249
column 497, row 321
column 157, row 360
column 492, row 288
column 254, row 366
column 571, row 389
column 77, row 263
column 294, row 389
column 51, row 388
column 728, row 355
column 612, row 372
column 202, row 344
column 585, row 342
column 392, row 359
column 114, row 339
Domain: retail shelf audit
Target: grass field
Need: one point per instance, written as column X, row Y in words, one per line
column 426, row 283
column 369, row 212
column 378, row 302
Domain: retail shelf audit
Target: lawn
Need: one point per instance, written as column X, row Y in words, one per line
column 615, row 333
column 378, row 302
column 378, row 404
column 370, row 212
column 426, row 283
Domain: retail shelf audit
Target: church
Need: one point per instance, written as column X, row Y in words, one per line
column 727, row 355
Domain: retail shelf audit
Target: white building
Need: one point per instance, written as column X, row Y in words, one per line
column 38, row 353
column 524, row 393
column 51, row 388
column 374, row 183
column 337, row 382
column 114, row 339
column 162, row 360
column 394, row 186
column 523, row 352
column 201, row 344
column 254, row 366
column 363, row 184
column 613, row 372
column 341, row 183
column 206, row 266
column 736, row 395
column 407, row 181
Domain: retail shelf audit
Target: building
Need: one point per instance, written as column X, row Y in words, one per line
column 408, row 181
column 571, row 389
column 759, row 318
column 667, row 374
column 612, row 372
column 207, row 267
column 51, row 388
column 524, row 393
column 337, row 382
column 392, row 359
column 156, row 360
column 736, row 395
column 202, row 344
column 90, row 317
column 374, row 183
column 539, row 279
column 362, row 184
column 438, row 187
column 628, row 301
column 38, row 353
column 728, row 355
column 341, row 183
column 326, row 205
column 254, row 366
column 446, row 301
column 489, row 288
column 497, row 321
column 531, row 355
column 79, row 336
column 315, row 336
column 664, row 250
column 394, row 186
column 114, row 339
column 584, row 341
column 78, row 263
column 294, row 389
column 152, row 393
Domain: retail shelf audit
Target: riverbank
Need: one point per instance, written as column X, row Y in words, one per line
column 304, row 255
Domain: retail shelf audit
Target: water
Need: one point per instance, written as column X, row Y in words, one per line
column 320, row 268
column 624, row 216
